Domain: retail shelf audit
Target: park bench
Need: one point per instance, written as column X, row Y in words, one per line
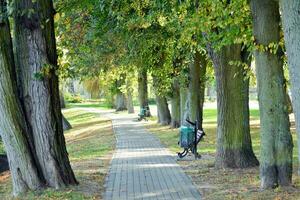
column 143, row 113
column 190, row 136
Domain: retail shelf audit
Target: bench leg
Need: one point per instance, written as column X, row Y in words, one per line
column 183, row 154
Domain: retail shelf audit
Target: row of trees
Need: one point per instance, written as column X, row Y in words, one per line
column 179, row 44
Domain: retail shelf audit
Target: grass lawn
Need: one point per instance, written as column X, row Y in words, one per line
column 90, row 145
column 225, row 184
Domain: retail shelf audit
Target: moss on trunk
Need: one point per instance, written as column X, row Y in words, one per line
column 276, row 140
column 234, row 147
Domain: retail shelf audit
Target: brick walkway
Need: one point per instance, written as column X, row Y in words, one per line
column 142, row 168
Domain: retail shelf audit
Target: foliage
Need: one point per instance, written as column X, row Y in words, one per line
column 69, row 98
column 97, row 38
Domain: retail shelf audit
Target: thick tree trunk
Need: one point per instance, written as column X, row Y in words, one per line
column 143, row 90
column 196, row 89
column 291, row 26
column 37, row 65
column 175, row 104
column 66, row 124
column 276, row 139
column 163, row 112
column 121, row 103
column 14, row 130
column 234, row 147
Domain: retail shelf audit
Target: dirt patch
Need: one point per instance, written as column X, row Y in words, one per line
column 234, row 184
column 91, row 175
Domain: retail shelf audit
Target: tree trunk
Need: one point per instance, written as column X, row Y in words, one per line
column 38, row 83
column 163, row 112
column 196, row 89
column 291, row 26
column 121, row 102
column 175, row 104
column 62, row 101
column 276, row 139
column 234, row 147
column 288, row 101
column 66, row 124
column 183, row 104
column 130, row 106
column 143, row 90
column 14, row 130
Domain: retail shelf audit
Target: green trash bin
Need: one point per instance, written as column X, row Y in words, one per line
column 143, row 112
column 187, row 136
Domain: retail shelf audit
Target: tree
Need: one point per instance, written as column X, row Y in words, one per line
column 143, row 90
column 291, row 27
column 163, row 112
column 276, row 140
column 234, row 147
column 121, row 102
column 14, row 130
column 38, row 84
column 196, row 88
column 225, row 29
column 175, row 104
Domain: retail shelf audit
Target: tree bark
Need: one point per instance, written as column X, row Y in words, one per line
column 14, row 130
column 130, row 106
column 276, row 140
column 38, row 83
column 120, row 101
column 143, row 90
column 163, row 112
column 62, row 101
column 175, row 104
column 234, row 147
column 196, row 89
column 66, row 124
column 288, row 101
column 291, row 26
column 183, row 104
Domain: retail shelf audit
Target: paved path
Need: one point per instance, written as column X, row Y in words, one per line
column 142, row 168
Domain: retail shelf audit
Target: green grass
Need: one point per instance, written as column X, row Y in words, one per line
column 90, row 144
column 97, row 104
column 225, row 184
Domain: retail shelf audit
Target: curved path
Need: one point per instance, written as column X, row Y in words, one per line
column 142, row 168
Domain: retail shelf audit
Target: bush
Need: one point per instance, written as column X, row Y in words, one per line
column 73, row 98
